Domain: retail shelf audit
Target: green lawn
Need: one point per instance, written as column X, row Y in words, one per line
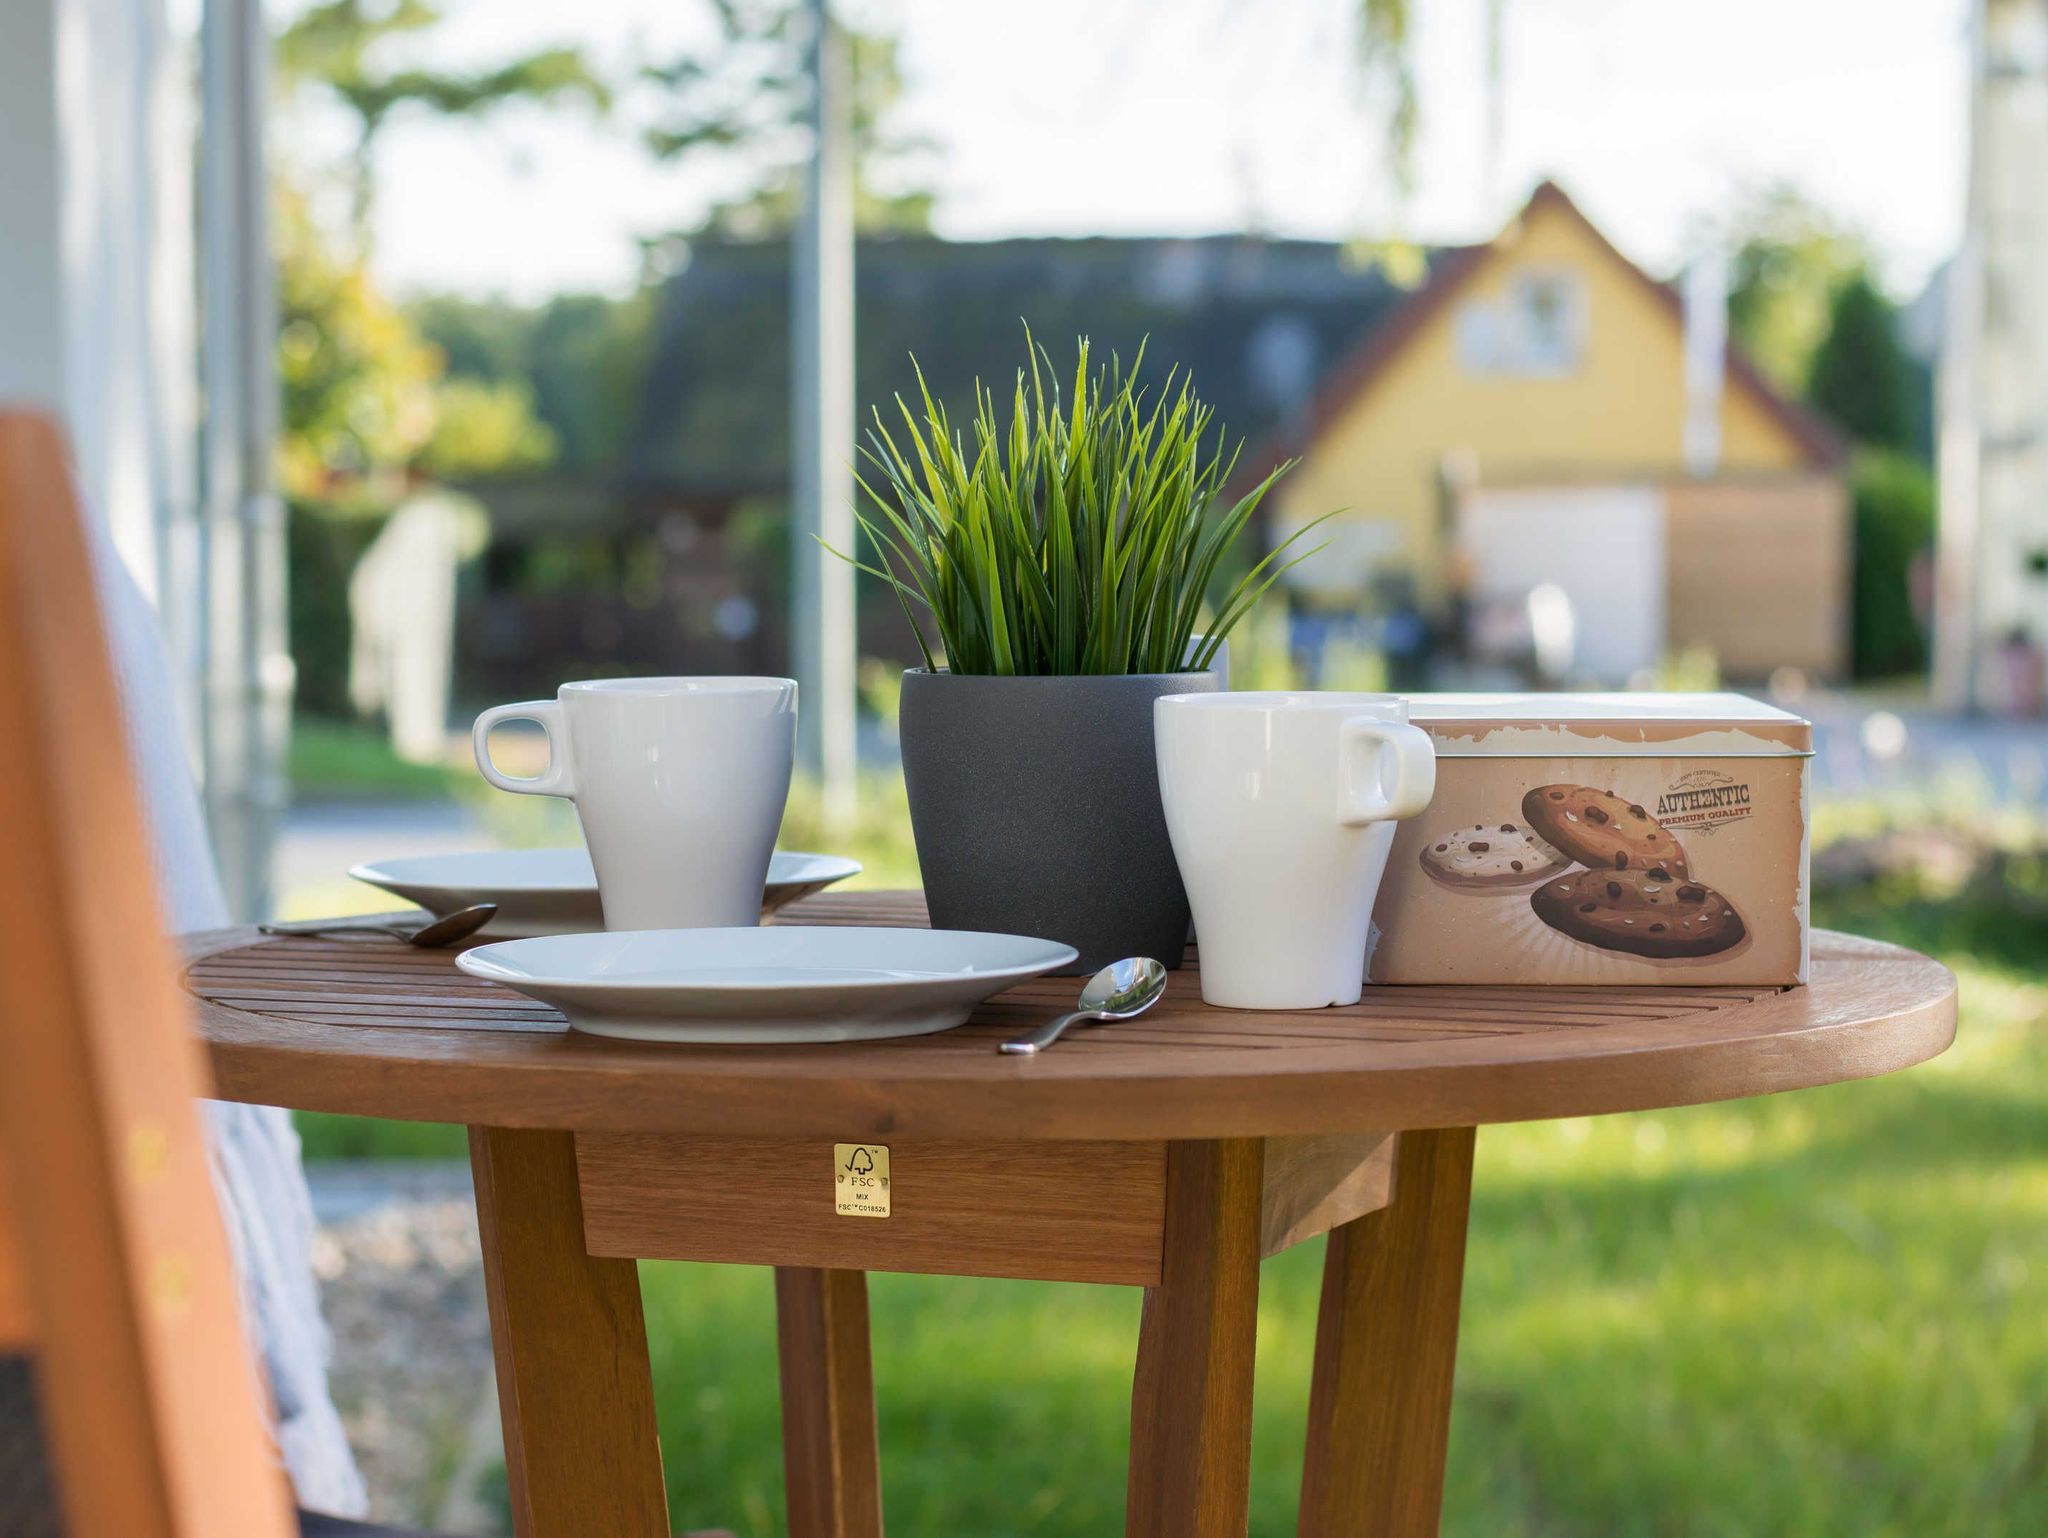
column 346, row 760
column 1817, row 1314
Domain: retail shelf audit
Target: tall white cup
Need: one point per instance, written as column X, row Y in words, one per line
column 1281, row 808
column 679, row 784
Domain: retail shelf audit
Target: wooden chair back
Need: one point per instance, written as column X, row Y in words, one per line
column 113, row 1261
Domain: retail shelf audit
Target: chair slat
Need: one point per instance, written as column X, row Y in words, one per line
column 148, row 1389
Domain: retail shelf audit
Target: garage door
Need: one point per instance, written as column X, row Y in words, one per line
column 1602, row 545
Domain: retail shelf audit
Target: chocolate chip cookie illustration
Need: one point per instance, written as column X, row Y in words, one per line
column 1601, row 830
column 1654, row 912
column 1488, row 856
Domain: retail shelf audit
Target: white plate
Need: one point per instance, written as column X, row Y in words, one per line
column 799, row 983
column 554, row 891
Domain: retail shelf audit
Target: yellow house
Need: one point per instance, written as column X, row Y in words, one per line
column 1526, row 421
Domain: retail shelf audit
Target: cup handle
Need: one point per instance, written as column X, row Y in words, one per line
column 556, row 779
column 1367, row 794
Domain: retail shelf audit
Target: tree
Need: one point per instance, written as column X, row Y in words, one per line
column 366, row 406
column 339, row 46
column 357, row 380
column 1386, row 62
column 581, row 358
column 1384, row 49
column 1789, row 259
column 1894, row 511
column 365, row 397
column 1861, row 377
column 752, row 91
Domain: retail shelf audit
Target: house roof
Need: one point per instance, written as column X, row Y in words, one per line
column 1258, row 323
column 1279, row 335
column 1354, row 375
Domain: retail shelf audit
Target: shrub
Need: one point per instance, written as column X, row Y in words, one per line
column 1894, row 528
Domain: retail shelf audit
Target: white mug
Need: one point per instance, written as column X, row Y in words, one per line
column 1281, row 808
column 679, row 784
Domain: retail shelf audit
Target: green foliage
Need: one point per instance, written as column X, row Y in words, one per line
column 365, row 407
column 483, row 339
column 1384, row 49
column 582, row 358
column 485, row 429
column 1894, row 527
column 357, row 380
column 1861, row 378
column 752, row 90
column 1790, row 258
column 1076, row 540
column 587, row 357
column 322, row 545
column 342, row 47
column 364, row 399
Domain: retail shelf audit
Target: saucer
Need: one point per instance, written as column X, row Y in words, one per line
column 554, row 891
column 781, row 984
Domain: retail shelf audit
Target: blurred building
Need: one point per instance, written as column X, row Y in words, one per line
column 1521, row 426
column 1991, row 601
column 1512, row 417
column 686, row 545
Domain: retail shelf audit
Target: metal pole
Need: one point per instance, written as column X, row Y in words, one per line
column 821, row 371
column 247, row 660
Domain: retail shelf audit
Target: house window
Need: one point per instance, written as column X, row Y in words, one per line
column 1536, row 329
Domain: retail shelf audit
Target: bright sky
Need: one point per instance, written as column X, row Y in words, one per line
column 1187, row 116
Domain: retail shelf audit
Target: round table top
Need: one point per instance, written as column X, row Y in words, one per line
column 377, row 1029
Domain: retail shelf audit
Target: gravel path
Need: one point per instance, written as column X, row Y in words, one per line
column 402, row 1284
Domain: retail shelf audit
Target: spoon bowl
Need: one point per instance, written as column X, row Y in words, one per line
column 445, row 930
column 450, row 927
column 1120, row 991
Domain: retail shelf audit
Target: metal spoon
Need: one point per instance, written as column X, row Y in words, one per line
column 1119, row 991
column 445, row 930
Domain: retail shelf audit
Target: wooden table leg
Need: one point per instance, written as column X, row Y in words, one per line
column 573, row 1381
column 1379, row 1413
column 831, row 1467
column 1191, row 1397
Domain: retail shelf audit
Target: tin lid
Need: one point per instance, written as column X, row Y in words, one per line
column 1608, row 726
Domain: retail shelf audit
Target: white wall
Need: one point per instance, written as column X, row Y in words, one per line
column 96, row 297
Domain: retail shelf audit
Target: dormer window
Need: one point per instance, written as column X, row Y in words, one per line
column 1536, row 329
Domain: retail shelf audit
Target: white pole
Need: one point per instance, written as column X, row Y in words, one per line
column 247, row 662
column 1706, row 351
column 1959, row 406
column 822, row 415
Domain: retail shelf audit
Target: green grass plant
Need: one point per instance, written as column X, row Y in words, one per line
column 1083, row 535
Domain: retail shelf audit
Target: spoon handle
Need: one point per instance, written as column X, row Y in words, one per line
column 1046, row 1034
column 312, row 928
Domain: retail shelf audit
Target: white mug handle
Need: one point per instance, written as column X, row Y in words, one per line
column 1367, row 795
column 556, row 779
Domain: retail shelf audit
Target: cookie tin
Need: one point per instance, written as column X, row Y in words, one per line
column 1602, row 839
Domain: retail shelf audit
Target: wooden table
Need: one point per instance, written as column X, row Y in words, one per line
column 1171, row 1153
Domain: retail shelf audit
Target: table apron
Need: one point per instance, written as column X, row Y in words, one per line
column 1036, row 1210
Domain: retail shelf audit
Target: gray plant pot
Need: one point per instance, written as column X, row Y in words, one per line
column 1035, row 803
